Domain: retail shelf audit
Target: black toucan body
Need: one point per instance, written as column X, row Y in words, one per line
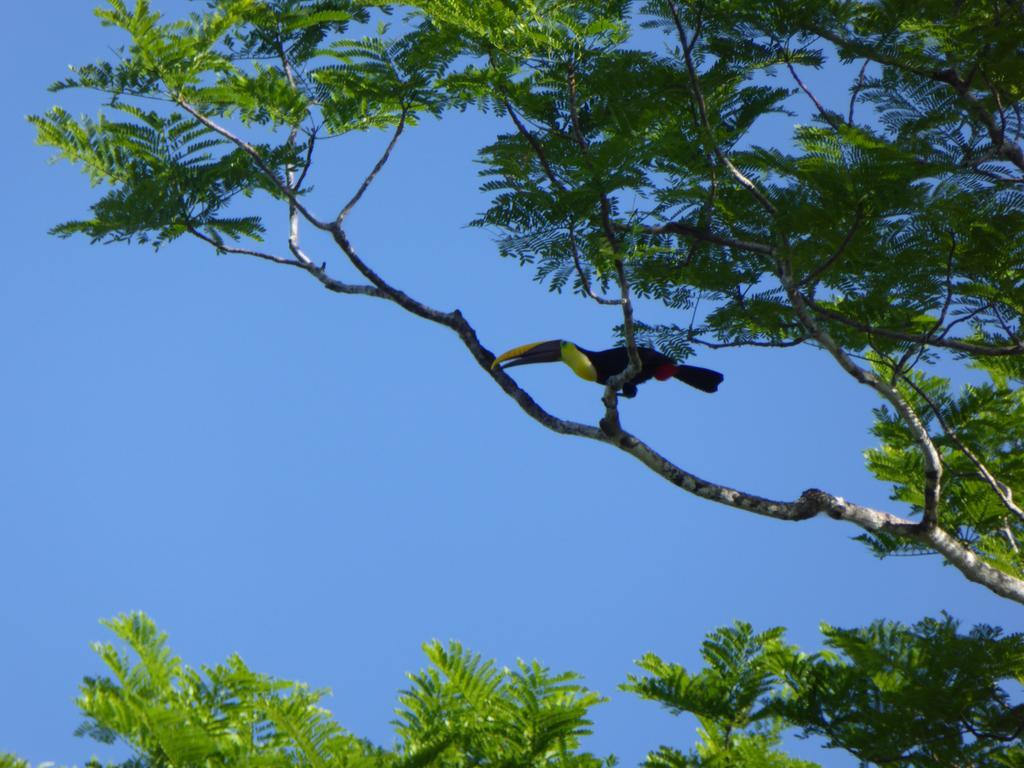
column 601, row 366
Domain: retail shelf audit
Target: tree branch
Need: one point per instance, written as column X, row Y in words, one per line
column 855, row 91
column 825, row 114
column 917, row 338
column 814, row 275
column 1001, row 489
column 538, row 150
column 376, row 169
column 335, row 286
column 297, row 185
column 707, row 236
column 281, row 184
column 809, row 504
column 1007, row 149
column 224, row 248
column 687, row 47
column 611, row 424
column 289, row 171
column 932, row 461
column 535, row 144
column 400, row 298
column 605, row 204
column 584, row 280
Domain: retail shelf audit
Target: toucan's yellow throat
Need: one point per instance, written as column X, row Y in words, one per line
column 579, row 362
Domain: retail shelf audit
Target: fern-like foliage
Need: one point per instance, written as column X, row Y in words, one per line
column 894, row 222
column 167, row 174
column 925, row 696
column 921, row 696
column 282, row 69
column 466, row 711
column 460, row 711
column 982, row 420
column 226, row 715
column 729, row 698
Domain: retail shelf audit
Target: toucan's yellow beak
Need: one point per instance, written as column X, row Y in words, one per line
column 538, row 352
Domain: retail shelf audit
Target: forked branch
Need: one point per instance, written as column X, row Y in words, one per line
column 932, row 461
column 1001, row 490
column 809, row 504
column 376, row 169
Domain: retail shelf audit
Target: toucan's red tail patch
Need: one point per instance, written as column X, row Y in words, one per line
column 664, row 372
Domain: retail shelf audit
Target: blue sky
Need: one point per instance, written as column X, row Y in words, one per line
column 209, row 439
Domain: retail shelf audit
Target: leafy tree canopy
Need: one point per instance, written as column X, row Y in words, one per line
column 888, row 233
column 889, row 694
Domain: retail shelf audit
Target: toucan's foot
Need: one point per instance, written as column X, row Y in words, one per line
column 629, row 390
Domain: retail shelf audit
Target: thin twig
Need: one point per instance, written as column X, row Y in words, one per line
column 781, row 343
column 574, row 120
column 917, row 351
column 603, row 201
column 289, row 171
column 308, row 162
column 917, row 338
column 968, row 317
column 704, row 235
column 538, row 150
column 691, row 69
column 584, row 280
column 999, row 102
column 549, row 172
column 1003, row 491
column 250, row 150
column 376, row 169
column 610, row 423
column 336, row 286
column 829, row 117
column 998, row 309
column 812, row 278
column 224, row 248
column 856, row 90
column 947, row 303
column 932, row 461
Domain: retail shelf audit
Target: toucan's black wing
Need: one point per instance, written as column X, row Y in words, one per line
column 607, row 362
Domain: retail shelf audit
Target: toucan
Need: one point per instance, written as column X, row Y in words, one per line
column 601, row 366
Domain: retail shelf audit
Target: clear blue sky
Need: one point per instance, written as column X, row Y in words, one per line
column 208, row 439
